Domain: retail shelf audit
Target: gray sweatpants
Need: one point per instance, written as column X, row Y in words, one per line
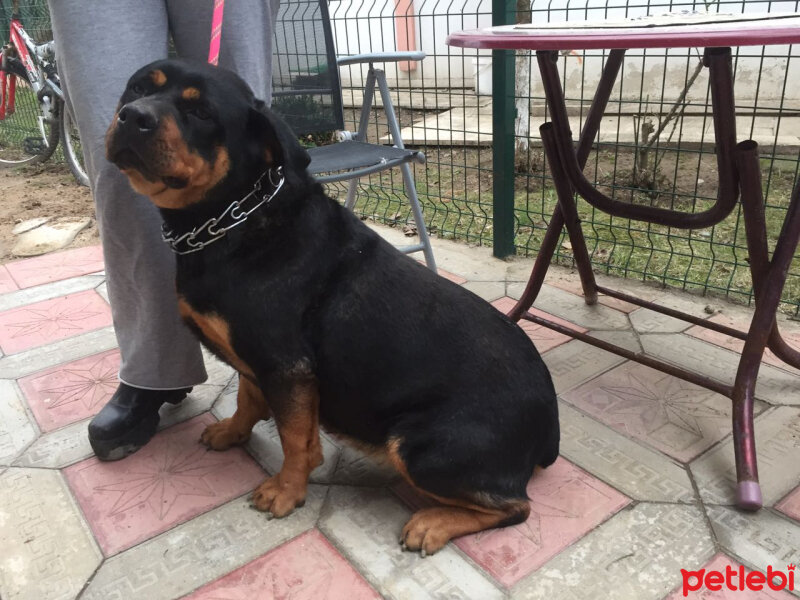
column 99, row 44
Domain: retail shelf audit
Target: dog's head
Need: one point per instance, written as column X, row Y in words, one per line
column 184, row 130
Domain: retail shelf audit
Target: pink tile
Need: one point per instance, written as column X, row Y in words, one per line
column 52, row 320
column 790, row 505
column 452, row 277
column 720, row 563
column 171, row 480
column 566, row 503
column 7, row 283
column 676, row 417
column 73, row 391
column 543, row 338
column 306, row 568
column 56, row 266
column 720, row 339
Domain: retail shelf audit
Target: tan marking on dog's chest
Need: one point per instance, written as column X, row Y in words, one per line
column 216, row 333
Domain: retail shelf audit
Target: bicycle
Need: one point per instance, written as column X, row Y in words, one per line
column 33, row 113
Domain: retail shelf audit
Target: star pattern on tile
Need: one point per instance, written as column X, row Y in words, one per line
column 671, row 401
column 88, row 386
column 49, row 321
column 163, row 478
column 56, row 266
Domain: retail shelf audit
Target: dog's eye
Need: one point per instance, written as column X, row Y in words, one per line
column 199, row 112
column 137, row 89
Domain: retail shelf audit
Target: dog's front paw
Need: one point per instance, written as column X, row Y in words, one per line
column 278, row 497
column 223, row 435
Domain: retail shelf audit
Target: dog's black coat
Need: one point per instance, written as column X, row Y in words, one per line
column 308, row 290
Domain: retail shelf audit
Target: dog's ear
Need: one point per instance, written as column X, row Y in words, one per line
column 279, row 142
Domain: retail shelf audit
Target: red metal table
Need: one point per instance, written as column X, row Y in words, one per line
column 739, row 174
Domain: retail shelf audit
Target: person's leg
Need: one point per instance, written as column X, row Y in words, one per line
column 99, row 45
column 246, row 44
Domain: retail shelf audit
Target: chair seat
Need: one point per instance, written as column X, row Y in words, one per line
column 351, row 155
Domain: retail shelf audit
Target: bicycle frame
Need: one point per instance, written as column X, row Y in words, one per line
column 30, row 56
column 8, row 91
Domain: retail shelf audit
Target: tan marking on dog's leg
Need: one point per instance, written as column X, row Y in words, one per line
column 251, row 407
column 429, row 529
column 302, row 453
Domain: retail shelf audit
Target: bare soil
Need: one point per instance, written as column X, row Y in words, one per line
column 47, row 191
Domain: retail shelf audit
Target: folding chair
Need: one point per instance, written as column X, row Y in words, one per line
column 307, row 94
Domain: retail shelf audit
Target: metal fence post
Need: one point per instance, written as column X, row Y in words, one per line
column 503, row 12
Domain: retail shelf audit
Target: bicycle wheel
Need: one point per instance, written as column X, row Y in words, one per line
column 71, row 144
column 27, row 136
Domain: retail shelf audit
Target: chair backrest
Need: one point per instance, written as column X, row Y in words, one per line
column 305, row 79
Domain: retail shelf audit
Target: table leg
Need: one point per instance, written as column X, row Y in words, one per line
column 749, row 168
column 769, row 277
column 569, row 211
column 565, row 195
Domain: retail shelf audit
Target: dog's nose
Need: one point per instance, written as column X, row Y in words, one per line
column 141, row 118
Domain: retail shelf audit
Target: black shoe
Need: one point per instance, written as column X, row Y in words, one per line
column 129, row 420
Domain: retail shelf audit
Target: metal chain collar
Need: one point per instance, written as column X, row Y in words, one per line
column 237, row 212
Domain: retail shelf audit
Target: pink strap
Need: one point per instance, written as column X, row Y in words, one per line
column 216, row 32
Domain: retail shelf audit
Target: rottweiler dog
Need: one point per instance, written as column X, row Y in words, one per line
column 326, row 322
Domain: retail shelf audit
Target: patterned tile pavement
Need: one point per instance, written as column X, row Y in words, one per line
column 791, row 505
column 168, row 482
column 727, row 585
column 644, row 487
column 72, row 392
column 7, row 283
column 679, row 418
column 50, row 320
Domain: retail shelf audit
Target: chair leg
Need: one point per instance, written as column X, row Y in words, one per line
column 352, row 188
column 408, row 176
column 416, row 211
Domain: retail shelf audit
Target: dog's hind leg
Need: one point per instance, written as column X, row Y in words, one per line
column 297, row 418
column 251, row 407
column 429, row 529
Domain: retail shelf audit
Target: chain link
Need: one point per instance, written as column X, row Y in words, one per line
column 236, row 214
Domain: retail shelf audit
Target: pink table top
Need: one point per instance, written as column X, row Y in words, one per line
column 674, row 30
